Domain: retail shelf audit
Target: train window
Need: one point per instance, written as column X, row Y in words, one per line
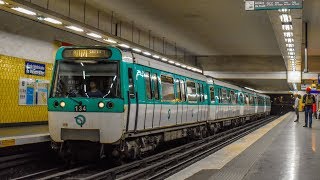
column 156, row 87
column 232, row 96
column 131, row 83
column 148, row 84
column 247, row 99
column 220, row 95
column 183, row 91
column 191, row 92
column 167, row 88
column 224, row 96
column 255, row 100
column 250, row 100
column 241, row 98
column 200, row 92
column 212, row 94
column 178, row 89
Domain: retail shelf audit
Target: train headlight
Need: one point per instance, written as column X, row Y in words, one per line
column 101, row 105
column 62, row 104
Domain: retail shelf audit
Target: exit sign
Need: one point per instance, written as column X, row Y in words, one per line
column 272, row 4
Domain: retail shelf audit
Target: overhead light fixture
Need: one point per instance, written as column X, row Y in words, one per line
column 124, row 45
column 290, row 49
column 287, row 27
column 53, row 21
column 184, row 66
column 156, row 56
column 189, row 67
column 284, row 10
column 94, row 35
column 164, row 59
column 289, row 40
column 110, row 41
column 292, row 57
column 1, row 2
column 24, row 11
column 289, row 45
column 171, row 62
column 291, row 53
column 147, row 53
column 288, row 34
column 285, row 18
column 178, row 64
column 136, row 50
column 75, row 28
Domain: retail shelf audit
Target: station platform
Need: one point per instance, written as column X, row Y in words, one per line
column 13, row 136
column 282, row 149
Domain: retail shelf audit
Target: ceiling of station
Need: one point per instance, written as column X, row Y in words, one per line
column 262, row 84
column 204, row 27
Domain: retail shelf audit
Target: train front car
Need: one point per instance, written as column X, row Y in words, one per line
column 86, row 104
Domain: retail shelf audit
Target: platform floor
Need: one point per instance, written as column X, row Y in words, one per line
column 12, row 136
column 282, row 149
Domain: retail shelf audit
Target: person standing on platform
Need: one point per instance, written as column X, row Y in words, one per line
column 296, row 107
column 308, row 100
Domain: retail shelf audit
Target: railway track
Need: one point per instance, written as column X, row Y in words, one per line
column 158, row 166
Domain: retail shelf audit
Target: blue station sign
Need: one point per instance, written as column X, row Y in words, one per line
column 35, row 68
column 252, row 5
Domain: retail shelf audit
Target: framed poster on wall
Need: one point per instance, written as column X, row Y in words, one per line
column 42, row 92
column 26, row 91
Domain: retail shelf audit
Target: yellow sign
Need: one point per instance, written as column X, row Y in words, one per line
column 7, row 142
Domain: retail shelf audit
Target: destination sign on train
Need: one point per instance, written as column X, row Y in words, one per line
column 251, row 5
column 86, row 53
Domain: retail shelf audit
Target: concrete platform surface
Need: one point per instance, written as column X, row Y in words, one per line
column 12, row 136
column 281, row 149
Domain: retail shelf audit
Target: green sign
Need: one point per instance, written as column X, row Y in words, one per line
column 272, row 4
column 80, row 120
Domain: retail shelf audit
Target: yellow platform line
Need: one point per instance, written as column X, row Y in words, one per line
column 226, row 154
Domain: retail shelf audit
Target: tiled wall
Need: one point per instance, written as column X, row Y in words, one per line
column 11, row 70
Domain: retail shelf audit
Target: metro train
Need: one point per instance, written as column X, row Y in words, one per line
column 122, row 103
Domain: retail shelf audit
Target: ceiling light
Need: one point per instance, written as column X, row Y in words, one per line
column 290, row 45
column 284, row 10
column 52, row 21
column 155, row 56
column 164, row 59
column 287, row 27
column 94, row 35
column 291, row 53
column 285, row 18
column 290, row 49
column 189, row 67
column 1, row 2
column 289, row 40
column 110, row 40
column 75, row 28
column 184, row 66
column 25, row 11
column 136, row 50
column 178, row 64
column 171, row 62
column 292, row 57
column 288, row 34
column 124, row 45
column 147, row 53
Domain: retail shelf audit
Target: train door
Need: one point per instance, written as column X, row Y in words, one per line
column 211, row 108
column 156, row 98
column 133, row 105
column 149, row 101
column 178, row 100
column 168, row 105
column 183, row 103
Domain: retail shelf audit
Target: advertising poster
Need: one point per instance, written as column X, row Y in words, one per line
column 26, row 91
column 42, row 92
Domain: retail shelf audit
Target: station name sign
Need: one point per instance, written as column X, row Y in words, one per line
column 86, row 53
column 272, row 4
column 35, row 68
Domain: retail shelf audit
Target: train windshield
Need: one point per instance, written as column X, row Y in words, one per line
column 90, row 79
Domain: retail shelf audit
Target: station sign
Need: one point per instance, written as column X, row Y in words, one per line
column 254, row 5
column 35, row 68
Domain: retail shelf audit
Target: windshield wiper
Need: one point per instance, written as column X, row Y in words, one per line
column 79, row 102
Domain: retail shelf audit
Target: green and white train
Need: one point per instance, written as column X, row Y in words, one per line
column 118, row 102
